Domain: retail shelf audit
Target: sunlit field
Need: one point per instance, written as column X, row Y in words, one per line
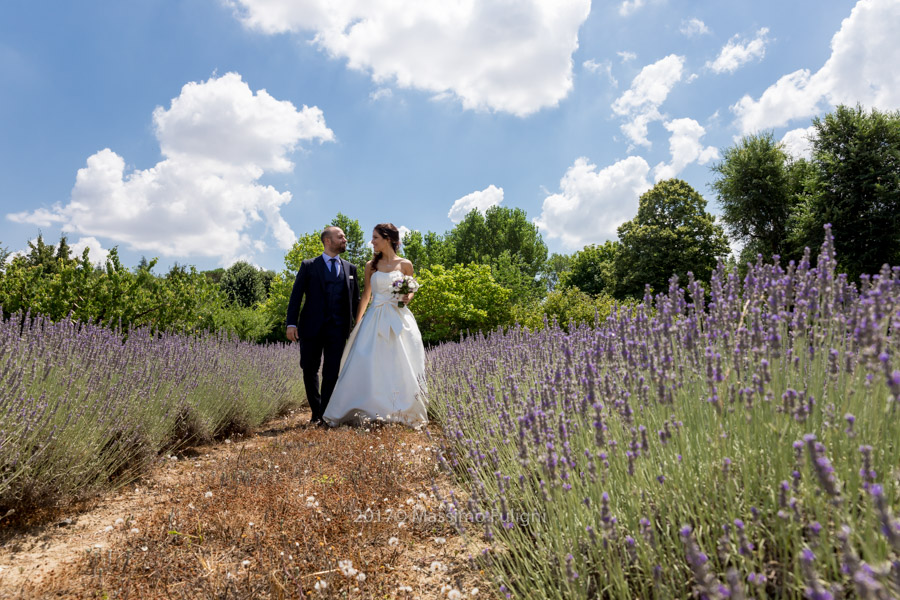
column 736, row 443
column 84, row 411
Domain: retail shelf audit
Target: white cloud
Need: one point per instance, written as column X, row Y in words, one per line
column 685, row 147
column 649, row 89
column 629, row 6
column 694, row 26
column 861, row 69
column 605, row 67
column 736, row 53
column 514, row 57
column 381, row 93
column 403, row 231
column 592, row 204
column 483, row 200
column 626, row 56
column 217, row 139
column 797, row 143
column 96, row 253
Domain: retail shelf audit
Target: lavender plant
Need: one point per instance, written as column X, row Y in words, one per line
column 737, row 443
column 82, row 411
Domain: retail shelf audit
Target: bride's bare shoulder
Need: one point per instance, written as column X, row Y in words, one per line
column 406, row 266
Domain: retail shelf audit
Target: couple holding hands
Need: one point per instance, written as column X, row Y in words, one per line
column 374, row 360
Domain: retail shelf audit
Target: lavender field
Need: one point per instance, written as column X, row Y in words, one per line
column 736, row 444
column 81, row 411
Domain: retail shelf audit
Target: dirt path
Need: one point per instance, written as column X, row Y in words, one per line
column 274, row 515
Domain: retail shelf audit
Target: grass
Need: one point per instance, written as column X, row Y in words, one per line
column 271, row 516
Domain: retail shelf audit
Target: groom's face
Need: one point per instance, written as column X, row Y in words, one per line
column 337, row 241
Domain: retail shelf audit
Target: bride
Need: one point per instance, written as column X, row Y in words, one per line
column 382, row 375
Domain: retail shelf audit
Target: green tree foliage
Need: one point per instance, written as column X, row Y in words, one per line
column 214, row 275
column 757, row 192
column 672, row 234
column 512, row 272
column 57, row 287
column 593, row 269
column 482, row 238
column 856, row 155
column 569, row 306
column 358, row 250
column 4, row 255
column 243, row 284
column 462, row 298
column 427, row 250
column 555, row 270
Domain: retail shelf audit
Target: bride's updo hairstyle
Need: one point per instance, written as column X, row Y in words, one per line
column 388, row 232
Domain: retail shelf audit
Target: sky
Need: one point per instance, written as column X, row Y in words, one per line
column 204, row 132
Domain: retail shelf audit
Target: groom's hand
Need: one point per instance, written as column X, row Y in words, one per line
column 291, row 334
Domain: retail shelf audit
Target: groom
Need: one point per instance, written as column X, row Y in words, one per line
column 325, row 319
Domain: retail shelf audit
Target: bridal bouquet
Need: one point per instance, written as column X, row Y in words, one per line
column 404, row 285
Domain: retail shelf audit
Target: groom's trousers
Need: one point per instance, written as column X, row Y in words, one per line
column 327, row 344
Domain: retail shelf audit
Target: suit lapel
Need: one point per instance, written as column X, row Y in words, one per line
column 345, row 271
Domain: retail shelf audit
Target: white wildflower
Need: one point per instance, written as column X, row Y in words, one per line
column 207, row 495
column 361, row 576
column 473, row 592
column 321, row 586
column 143, row 548
column 134, row 530
column 120, row 522
column 108, row 528
column 346, row 567
column 440, row 540
column 393, row 541
column 437, row 566
column 245, row 563
column 454, row 594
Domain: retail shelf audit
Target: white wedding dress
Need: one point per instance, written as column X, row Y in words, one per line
column 383, row 367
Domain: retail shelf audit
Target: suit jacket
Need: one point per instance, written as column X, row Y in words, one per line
column 310, row 282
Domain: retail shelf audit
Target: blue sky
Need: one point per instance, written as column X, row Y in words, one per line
column 208, row 131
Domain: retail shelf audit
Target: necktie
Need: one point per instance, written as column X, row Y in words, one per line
column 333, row 268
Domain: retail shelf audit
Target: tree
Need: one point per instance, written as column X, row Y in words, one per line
column 243, row 285
column 593, row 269
column 4, row 255
column 482, row 238
column 672, row 234
column 756, row 191
column 511, row 271
column 358, row 250
column 555, row 270
column 425, row 251
column 857, row 159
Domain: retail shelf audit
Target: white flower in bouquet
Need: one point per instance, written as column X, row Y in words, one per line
column 404, row 285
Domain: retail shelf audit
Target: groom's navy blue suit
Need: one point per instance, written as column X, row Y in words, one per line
column 323, row 324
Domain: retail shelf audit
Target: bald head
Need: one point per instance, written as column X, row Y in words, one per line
column 333, row 240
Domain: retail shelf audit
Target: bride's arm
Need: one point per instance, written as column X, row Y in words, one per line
column 367, row 292
column 406, row 267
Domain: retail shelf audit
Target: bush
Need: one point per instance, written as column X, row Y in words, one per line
column 568, row 307
column 463, row 298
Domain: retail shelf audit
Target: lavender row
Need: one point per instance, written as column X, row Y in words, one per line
column 738, row 443
column 81, row 410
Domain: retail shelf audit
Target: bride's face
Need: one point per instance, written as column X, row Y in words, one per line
column 379, row 244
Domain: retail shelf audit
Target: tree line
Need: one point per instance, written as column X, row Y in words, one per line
column 493, row 268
